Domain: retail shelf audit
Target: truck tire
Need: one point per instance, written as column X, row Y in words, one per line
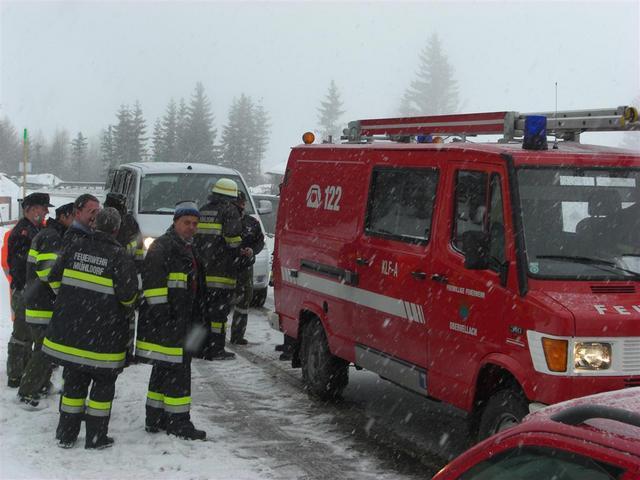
column 259, row 297
column 323, row 374
column 504, row 409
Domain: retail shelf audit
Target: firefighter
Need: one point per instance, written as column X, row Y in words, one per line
column 95, row 282
column 129, row 235
column 218, row 243
column 35, row 207
column 170, row 281
column 130, row 238
column 39, row 299
column 85, row 209
column 252, row 244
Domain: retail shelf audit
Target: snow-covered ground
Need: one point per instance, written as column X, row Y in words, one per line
column 257, row 427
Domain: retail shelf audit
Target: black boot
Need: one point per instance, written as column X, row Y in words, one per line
column 184, row 429
column 220, row 354
column 97, row 428
column 68, row 429
column 100, row 444
column 155, row 421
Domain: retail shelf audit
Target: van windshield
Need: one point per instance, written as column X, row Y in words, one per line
column 160, row 192
column 581, row 223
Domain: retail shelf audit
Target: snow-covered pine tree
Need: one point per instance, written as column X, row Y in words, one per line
column 259, row 142
column 121, row 135
column 330, row 112
column 157, row 142
column 199, row 134
column 37, row 155
column 169, row 140
column 237, row 136
column 10, row 147
column 59, row 154
column 435, row 90
column 107, row 150
column 181, row 129
column 138, row 146
column 78, row 156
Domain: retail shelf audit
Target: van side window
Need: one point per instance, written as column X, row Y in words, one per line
column 130, row 190
column 401, row 203
column 479, row 207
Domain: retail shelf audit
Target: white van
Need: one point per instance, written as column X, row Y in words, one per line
column 153, row 188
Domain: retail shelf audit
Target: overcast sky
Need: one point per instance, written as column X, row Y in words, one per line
column 71, row 64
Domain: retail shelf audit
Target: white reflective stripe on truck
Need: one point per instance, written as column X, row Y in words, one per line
column 393, row 306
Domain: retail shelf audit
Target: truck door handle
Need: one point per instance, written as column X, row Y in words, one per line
column 436, row 277
column 419, row 275
column 362, row 261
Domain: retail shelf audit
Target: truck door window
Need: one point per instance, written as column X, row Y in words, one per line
column 471, row 204
column 496, row 220
column 401, row 203
column 479, row 207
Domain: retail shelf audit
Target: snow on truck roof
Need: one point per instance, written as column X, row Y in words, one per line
column 179, row 167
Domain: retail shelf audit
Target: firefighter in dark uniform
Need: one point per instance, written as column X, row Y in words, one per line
column 35, row 207
column 88, row 333
column 39, row 299
column 218, row 244
column 85, row 209
column 129, row 235
column 252, row 244
column 130, row 238
column 170, row 281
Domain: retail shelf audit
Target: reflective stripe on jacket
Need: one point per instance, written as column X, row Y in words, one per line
column 218, row 242
column 89, row 327
column 170, row 281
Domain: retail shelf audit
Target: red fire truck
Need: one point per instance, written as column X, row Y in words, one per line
column 496, row 277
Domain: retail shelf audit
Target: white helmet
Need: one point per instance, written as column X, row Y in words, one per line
column 226, row 186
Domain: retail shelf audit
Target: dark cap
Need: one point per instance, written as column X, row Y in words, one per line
column 66, row 209
column 186, row 207
column 115, row 200
column 36, row 199
column 241, row 196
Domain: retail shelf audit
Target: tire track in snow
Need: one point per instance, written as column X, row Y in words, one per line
column 268, row 416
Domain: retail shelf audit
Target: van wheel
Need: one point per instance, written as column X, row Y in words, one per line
column 259, row 297
column 504, row 409
column 323, row 374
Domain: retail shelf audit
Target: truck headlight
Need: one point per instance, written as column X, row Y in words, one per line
column 147, row 242
column 592, row 356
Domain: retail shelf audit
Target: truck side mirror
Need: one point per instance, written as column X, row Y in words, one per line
column 475, row 245
column 265, row 207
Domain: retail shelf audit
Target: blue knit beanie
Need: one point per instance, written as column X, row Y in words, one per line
column 186, row 207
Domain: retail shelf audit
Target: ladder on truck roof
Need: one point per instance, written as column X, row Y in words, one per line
column 565, row 125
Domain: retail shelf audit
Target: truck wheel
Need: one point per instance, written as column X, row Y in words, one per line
column 504, row 409
column 259, row 297
column 323, row 374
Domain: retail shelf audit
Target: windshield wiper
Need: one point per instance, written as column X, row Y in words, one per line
column 590, row 261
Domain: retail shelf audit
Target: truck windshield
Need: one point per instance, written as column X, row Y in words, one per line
column 581, row 223
column 160, row 192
